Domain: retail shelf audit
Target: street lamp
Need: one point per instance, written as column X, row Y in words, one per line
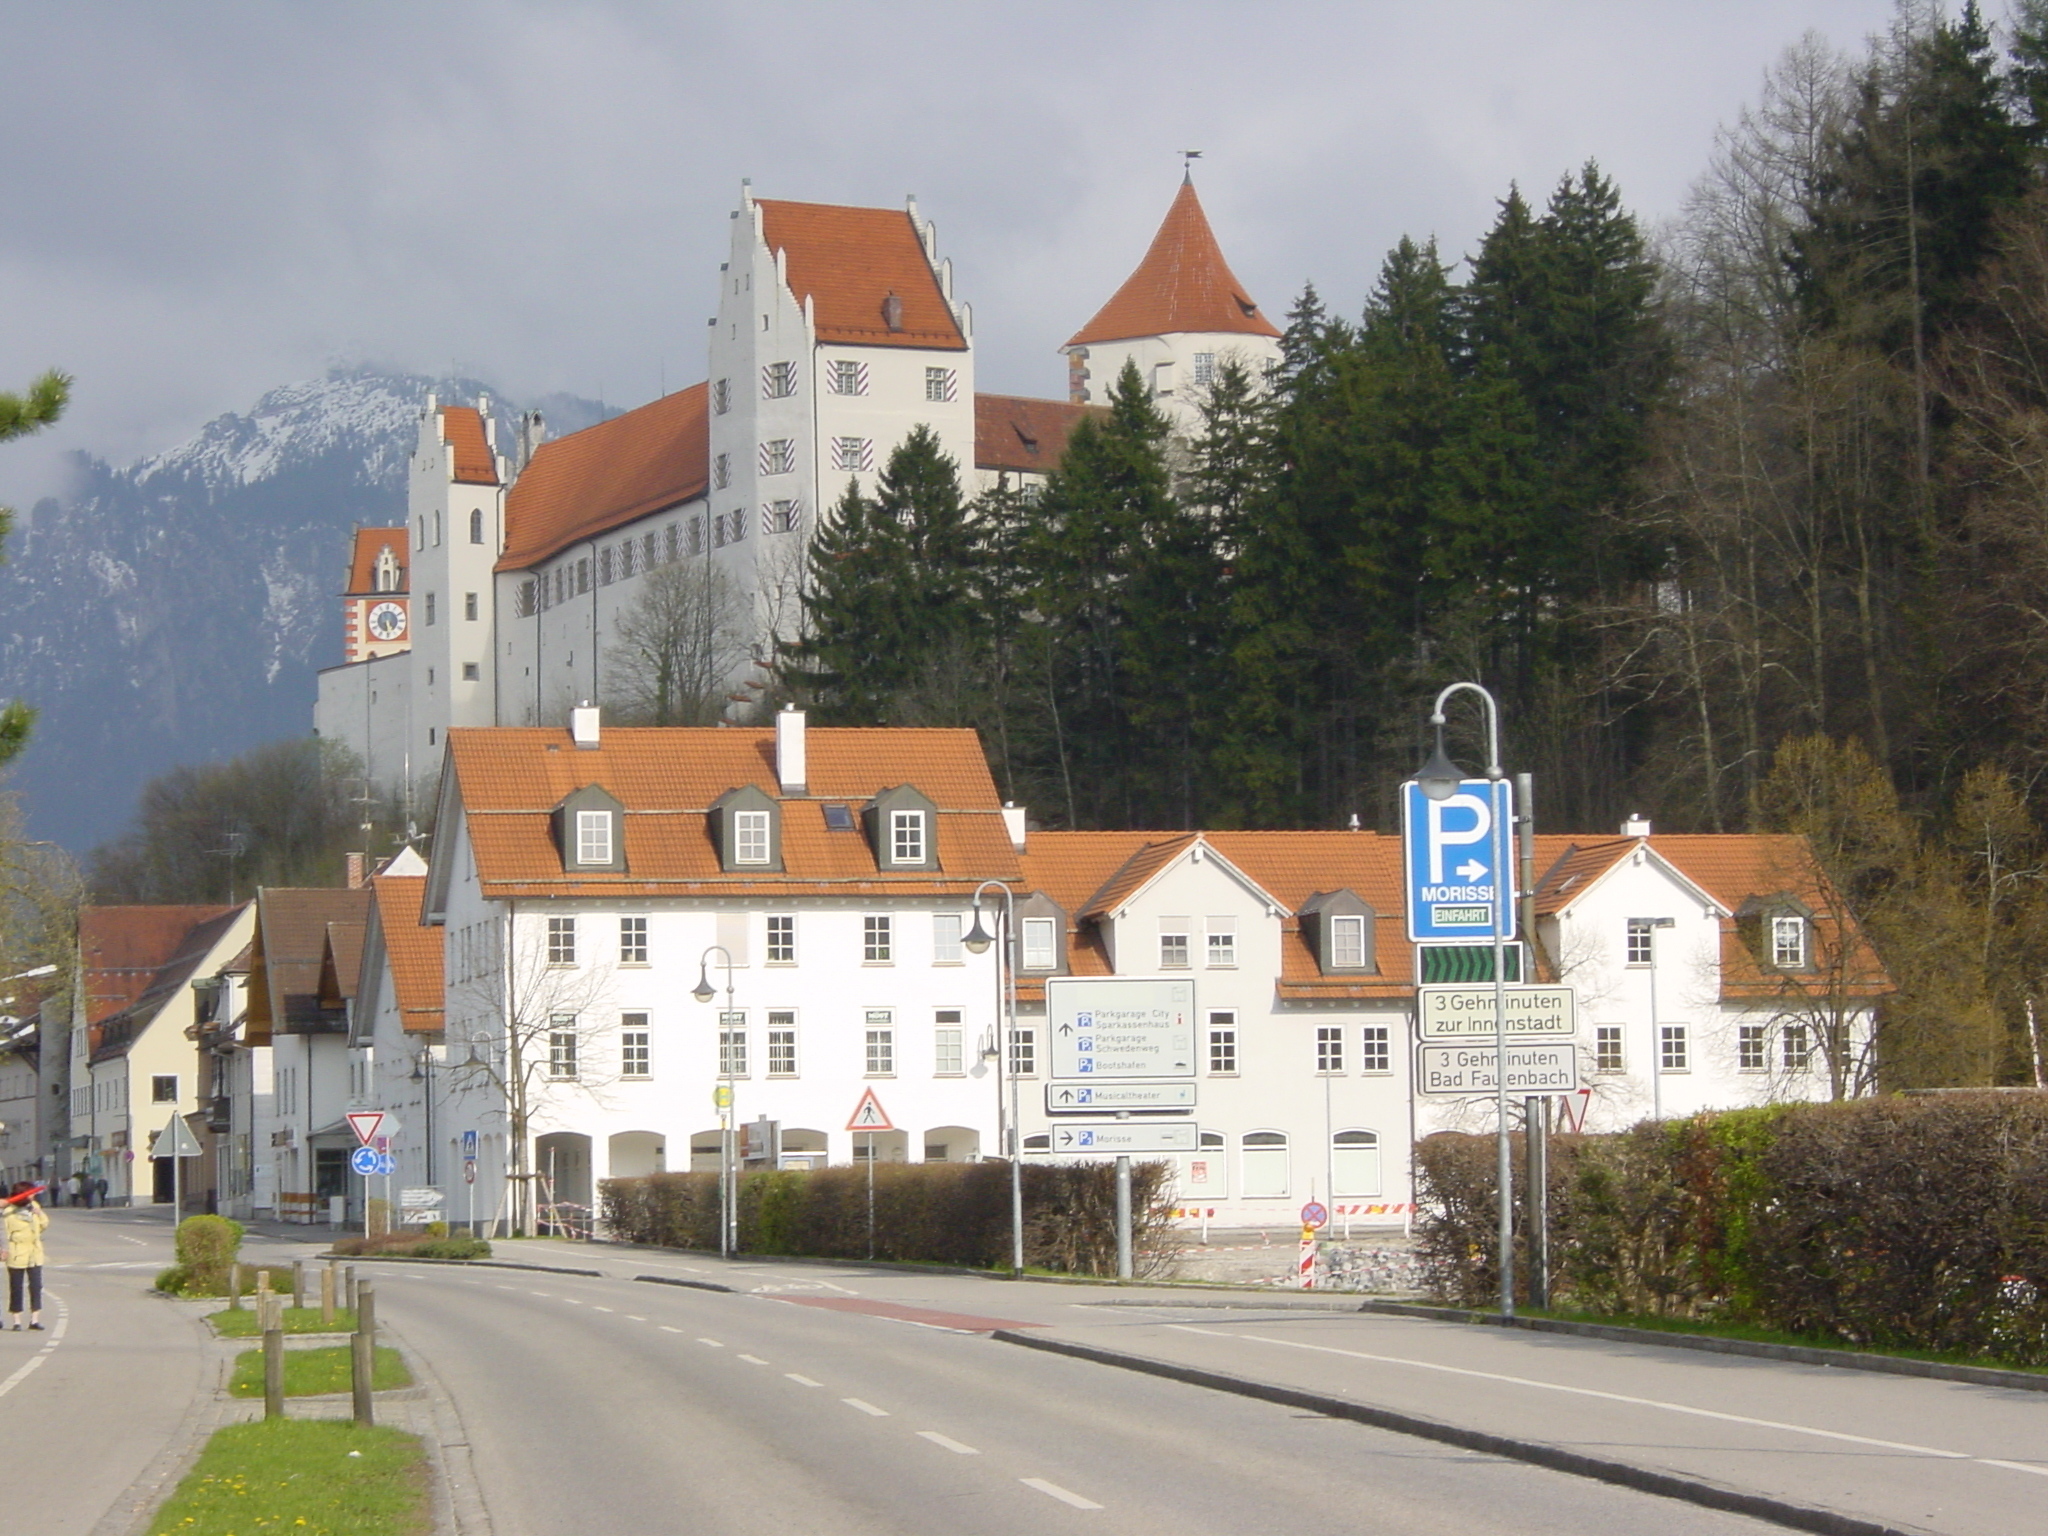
column 1438, row 779
column 728, row 1174
column 423, row 1074
column 1648, row 927
column 977, row 942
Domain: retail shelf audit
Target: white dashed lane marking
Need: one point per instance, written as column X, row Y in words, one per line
column 712, row 1342
column 864, row 1407
column 753, row 1359
column 947, row 1442
column 802, row 1381
column 1062, row 1494
column 666, row 1329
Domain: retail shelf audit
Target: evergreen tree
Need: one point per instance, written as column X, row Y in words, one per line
column 20, row 415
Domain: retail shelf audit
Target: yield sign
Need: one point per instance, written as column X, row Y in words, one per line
column 868, row 1115
column 365, row 1123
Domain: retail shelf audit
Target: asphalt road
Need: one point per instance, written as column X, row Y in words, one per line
column 822, row 1406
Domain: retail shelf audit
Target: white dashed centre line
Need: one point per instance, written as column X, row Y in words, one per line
column 508, row 1287
column 1059, row 1493
column 600, row 1309
column 712, row 1342
column 537, row 1293
column 2015, row 1466
column 664, row 1327
column 802, row 1381
column 753, row 1359
column 867, row 1408
column 632, row 1319
column 572, row 1301
column 947, row 1442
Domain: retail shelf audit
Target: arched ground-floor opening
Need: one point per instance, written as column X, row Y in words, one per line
column 636, row 1154
column 952, row 1144
column 803, row 1147
column 561, row 1165
column 887, row 1146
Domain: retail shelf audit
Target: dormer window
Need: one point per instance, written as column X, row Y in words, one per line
column 903, row 830
column 590, row 832
column 747, row 827
column 1041, row 949
column 1788, row 942
column 750, row 837
column 1337, row 926
column 1347, row 943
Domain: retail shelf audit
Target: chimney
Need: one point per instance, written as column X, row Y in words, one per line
column 1013, row 823
column 1636, row 826
column 892, row 312
column 583, row 725
column 355, row 871
column 789, row 750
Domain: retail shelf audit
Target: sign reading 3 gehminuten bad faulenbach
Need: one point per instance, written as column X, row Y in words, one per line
column 1456, row 1071
column 1123, row 1028
column 1468, row 1013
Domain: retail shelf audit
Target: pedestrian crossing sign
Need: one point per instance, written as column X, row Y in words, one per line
column 868, row 1115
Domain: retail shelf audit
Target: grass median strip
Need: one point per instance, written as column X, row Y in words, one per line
column 240, row 1323
column 308, row 1477
column 314, row 1372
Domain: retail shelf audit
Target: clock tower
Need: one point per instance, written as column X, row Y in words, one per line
column 376, row 617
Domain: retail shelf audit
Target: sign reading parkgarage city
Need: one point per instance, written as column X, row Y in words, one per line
column 1467, row 1013
column 1124, row 1028
column 1462, row 1071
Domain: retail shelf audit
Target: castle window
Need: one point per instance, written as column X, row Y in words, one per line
column 780, row 517
column 430, row 608
column 1205, row 368
column 778, row 457
column 476, row 525
column 583, row 575
column 627, row 550
column 942, row 384
column 472, row 672
column 604, row 566
column 469, row 606
column 721, row 471
column 778, row 381
column 853, row 454
column 523, row 604
column 721, row 396
column 848, row 378
column 696, row 537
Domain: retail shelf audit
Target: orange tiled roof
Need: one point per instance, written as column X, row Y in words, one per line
column 848, row 261
column 462, row 429
column 362, row 563
column 511, row 779
column 1012, row 432
column 412, row 951
column 115, row 1033
column 589, row 482
column 120, row 950
column 1183, row 284
column 291, row 946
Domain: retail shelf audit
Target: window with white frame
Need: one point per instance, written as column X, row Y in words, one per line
column 853, row 455
column 1354, row 1164
column 781, row 1042
column 778, row 381
column 562, row 1045
column 1329, row 1048
column 1672, row 1054
column 946, row 946
column 1222, row 1043
column 881, row 1043
column 1798, row 1045
column 430, row 608
column 906, row 837
column 634, row 1060
column 561, row 941
column 1173, row 943
column 1607, row 1055
column 948, row 1044
column 593, row 837
column 843, row 376
column 877, row 940
column 732, row 1044
column 1023, row 1053
column 632, row 941
column 1263, row 1157
column 941, row 384
column 1040, row 951
column 1788, row 942
column 750, row 839
column 1222, row 948
column 782, row 939
column 1753, row 1047
column 778, row 456
column 469, row 606
column 781, row 516
column 1205, row 368
column 1347, row 942
column 1375, row 1049
column 1642, row 941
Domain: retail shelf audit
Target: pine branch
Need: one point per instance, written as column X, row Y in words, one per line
column 43, row 404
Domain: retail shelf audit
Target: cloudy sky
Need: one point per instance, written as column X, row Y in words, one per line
column 205, row 199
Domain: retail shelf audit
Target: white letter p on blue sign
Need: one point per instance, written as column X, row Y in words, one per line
column 1459, row 862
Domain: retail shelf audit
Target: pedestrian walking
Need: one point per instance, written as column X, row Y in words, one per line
column 21, row 1240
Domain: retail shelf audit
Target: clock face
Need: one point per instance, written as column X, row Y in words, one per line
column 387, row 621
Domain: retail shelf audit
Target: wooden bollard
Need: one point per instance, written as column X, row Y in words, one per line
column 363, row 1353
column 235, row 1286
column 273, row 1361
column 299, row 1284
column 327, row 1297
column 349, row 1275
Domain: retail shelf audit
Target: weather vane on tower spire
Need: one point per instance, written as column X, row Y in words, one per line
column 1188, row 157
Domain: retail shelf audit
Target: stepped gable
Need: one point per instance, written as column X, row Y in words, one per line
column 1182, row 285
column 462, row 429
column 362, row 562
column 619, row 471
column 847, row 261
column 1022, row 435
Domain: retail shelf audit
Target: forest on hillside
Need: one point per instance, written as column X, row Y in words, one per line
column 1744, row 520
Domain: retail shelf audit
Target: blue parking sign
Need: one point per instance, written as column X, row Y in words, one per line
column 1458, row 855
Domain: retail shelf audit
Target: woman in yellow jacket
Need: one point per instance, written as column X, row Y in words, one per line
column 21, row 1238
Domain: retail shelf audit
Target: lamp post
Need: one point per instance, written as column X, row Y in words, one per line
column 977, row 941
column 728, row 1174
column 1649, row 926
column 423, row 1074
column 1439, row 779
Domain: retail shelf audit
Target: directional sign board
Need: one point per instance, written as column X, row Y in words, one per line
column 363, row 1160
column 175, row 1140
column 1125, row 1028
column 368, row 1124
column 419, row 1205
column 1458, row 855
column 1094, row 1098
column 1461, row 1071
column 1467, row 1013
column 1115, row 1138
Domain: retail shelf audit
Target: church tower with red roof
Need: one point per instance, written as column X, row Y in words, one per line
column 1178, row 317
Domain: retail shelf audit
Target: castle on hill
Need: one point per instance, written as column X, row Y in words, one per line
column 837, row 332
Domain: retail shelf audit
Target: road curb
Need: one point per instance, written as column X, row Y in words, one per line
column 1798, row 1517
column 407, row 1258
column 688, row 1285
column 1798, row 1354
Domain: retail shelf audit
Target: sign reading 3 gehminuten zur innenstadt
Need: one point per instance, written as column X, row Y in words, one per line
column 1128, row 1028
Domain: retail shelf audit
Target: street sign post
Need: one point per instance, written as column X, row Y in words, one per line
column 1467, row 1013
column 1093, row 1098
column 1445, row 1071
column 1315, row 1215
column 1120, row 1029
column 419, row 1205
column 1122, row 1138
column 1458, row 863
column 176, row 1142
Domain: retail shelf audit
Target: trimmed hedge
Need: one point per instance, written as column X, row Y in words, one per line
column 933, row 1213
column 1917, row 1223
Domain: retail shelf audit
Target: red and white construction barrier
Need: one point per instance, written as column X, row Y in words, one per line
column 1305, row 1266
